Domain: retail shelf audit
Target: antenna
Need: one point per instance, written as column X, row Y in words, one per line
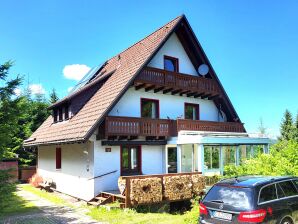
column 203, row 69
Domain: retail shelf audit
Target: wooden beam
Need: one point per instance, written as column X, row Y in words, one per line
column 198, row 95
column 191, row 94
column 140, row 86
column 176, row 91
column 158, row 89
column 156, row 142
column 213, row 97
column 149, row 88
column 184, row 92
column 206, row 96
column 167, row 90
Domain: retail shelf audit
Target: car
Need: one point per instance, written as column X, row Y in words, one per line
column 251, row 199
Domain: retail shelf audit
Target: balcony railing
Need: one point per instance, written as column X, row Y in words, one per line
column 132, row 126
column 191, row 125
column 178, row 81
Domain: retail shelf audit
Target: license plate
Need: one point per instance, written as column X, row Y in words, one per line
column 222, row 215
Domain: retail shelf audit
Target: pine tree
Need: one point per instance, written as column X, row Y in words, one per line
column 287, row 126
column 53, row 96
column 9, row 112
column 296, row 128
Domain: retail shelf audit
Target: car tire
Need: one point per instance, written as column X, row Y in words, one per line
column 286, row 221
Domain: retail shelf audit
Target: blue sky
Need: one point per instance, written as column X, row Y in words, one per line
column 251, row 44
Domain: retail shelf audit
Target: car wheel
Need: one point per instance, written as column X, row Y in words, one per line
column 286, row 221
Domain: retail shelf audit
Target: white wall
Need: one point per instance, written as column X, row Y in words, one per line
column 171, row 106
column 105, row 162
column 73, row 177
column 174, row 48
column 152, row 159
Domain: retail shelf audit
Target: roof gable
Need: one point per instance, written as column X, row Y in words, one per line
column 127, row 65
column 124, row 68
column 174, row 48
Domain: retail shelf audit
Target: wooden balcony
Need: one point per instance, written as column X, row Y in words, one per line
column 191, row 125
column 132, row 126
column 176, row 83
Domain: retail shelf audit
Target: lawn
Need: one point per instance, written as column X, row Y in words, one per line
column 119, row 216
column 11, row 203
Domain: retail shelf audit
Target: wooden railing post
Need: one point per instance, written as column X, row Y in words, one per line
column 127, row 193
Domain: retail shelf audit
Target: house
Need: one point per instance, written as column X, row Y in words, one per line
column 157, row 107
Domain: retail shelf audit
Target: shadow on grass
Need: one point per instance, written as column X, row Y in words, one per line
column 11, row 203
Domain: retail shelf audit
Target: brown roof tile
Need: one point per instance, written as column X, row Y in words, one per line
column 81, row 126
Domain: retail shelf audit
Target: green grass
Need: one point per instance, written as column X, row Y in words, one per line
column 11, row 203
column 119, row 216
column 46, row 195
column 133, row 217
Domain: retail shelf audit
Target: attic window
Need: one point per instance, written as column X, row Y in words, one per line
column 55, row 114
column 171, row 64
column 61, row 113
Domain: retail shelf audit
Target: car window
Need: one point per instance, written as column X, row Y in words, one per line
column 280, row 192
column 268, row 193
column 296, row 183
column 235, row 197
column 288, row 188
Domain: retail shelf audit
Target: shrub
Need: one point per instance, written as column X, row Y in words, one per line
column 282, row 160
column 35, row 180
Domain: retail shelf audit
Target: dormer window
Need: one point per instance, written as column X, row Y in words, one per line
column 171, row 64
column 61, row 113
column 55, row 114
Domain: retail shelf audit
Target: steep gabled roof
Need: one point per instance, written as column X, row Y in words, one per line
column 127, row 65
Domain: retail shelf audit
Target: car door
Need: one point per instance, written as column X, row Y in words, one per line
column 268, row 201
column 291, row 197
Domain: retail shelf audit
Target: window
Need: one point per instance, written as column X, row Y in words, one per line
column 191, row 111
column 149, row 108
column 171, row 64
column 229, row 155
column 60, row 112
column 130, row 160
column 288, row 188
column 211, row 157
column 66, row 113
column 268, row 193
column 58, row 158
column 55, row 114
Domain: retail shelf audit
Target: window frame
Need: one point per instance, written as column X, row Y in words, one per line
column 157, row 107
column 139, row 158
column 58, row 158
column 176, row 63
column 197, row 107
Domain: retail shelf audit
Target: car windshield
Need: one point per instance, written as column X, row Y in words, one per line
column 240, row 198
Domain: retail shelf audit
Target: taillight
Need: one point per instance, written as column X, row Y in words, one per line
column 203, row 209
column 253, row 216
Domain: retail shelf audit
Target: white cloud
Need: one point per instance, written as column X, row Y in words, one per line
column 69, row 88
column 17, row 91
column 75, row 71
column 36, row 89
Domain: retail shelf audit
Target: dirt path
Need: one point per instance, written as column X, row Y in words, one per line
column 49, row 213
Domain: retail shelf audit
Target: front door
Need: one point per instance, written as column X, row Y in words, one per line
column 130, row 160
column 172, row 159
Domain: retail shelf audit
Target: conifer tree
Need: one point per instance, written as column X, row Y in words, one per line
column 287, row 126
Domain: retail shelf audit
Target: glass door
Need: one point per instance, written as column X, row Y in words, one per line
column 172, row 159
column 187, row 158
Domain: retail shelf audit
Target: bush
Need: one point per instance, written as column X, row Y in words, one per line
column 282, row 160
column 6, row 187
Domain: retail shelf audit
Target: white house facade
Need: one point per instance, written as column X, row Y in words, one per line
column 167, row 117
